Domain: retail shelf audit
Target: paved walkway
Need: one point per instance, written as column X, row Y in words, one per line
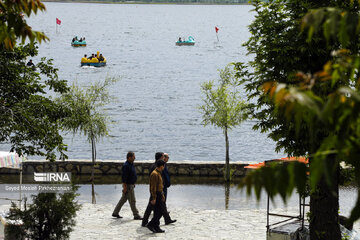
column 95, row 222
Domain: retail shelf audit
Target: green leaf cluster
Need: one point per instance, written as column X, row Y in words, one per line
column 277, row 178
column 223, row 106
column 14, row 26
column 338, row 25
column 87, row 109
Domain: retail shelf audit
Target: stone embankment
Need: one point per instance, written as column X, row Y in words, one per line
column 102, row 167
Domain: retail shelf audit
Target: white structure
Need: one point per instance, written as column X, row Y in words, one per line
column 10, row 160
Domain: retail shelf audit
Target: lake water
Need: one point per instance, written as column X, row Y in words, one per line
column 158, row 92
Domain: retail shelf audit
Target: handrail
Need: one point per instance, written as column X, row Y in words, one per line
column 286, row 220
column 300, row 217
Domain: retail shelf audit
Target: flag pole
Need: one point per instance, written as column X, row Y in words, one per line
column 216, row 31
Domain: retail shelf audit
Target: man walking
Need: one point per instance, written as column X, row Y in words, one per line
column 129, row 179
column 166, row 176
column 159, row 156
column 157, row 198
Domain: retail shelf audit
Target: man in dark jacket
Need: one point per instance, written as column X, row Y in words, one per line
column 129, row 179
column 165, row 175
column 30, row 63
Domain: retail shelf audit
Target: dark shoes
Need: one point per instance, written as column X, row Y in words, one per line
column 151, row 228
column 158, row 229
column 143, row 224
column 154, row 229
column 171, row 221
column 118, row 216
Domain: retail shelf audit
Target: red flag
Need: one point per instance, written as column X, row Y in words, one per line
column 216, row 29
column 58, row 21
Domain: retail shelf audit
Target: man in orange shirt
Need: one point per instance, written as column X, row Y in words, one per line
column 157, row 197
column 166, row 181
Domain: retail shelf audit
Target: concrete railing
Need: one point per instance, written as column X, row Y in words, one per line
column 114, row 167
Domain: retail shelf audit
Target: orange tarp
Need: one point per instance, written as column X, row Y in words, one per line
column 255, row 166
column 299, row 159
column 286, row 159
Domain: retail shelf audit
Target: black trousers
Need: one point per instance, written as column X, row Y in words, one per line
column 158, row 210
column 165, row 193
column 150, row 208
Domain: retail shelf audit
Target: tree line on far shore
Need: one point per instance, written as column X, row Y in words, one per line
column 162, row 1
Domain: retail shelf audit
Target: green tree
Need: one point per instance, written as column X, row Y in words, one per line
column 281, row 51
column 339, row 112
column 49, row 216
column 28, row 117
column 87, row 112
column 223, row 106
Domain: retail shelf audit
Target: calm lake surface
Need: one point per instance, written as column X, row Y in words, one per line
column 158, row 92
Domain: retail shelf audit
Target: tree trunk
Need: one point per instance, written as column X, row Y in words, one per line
column 227, row 195
column 227, row 158
column 93, row 196
column 93, row 151
column 324, row 206
column 93, row 156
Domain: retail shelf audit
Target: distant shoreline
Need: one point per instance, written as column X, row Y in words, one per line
column 132, row 2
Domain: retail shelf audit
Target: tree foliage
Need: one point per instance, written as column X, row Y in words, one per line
column 280, row 51
column 279, row 179
column 278, row 60
column 223, row 106
column 296, row 77
column 87, row 109
column 87, row 113
column 13, row 25
column 340, row 111
column 28, row 117
column 49, row 216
